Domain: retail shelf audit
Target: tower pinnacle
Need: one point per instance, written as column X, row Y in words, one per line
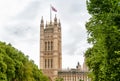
column 46, row 24
column 59, row 23
column 42, row 22
column 50, row 48
column 55, row 20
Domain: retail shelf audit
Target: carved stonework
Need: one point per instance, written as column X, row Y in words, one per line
column 50, row 48
column 51, row 54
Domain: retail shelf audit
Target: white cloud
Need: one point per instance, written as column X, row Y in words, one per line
column 20, row 20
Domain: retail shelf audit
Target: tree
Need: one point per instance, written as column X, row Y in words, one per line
column 80, row 80
column 104, row 33
column 15, row 66
column 59, row 79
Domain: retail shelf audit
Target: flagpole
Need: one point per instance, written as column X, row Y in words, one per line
column 50, row 13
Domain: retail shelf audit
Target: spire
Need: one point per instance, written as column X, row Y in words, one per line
column 59, row 23
column 78, row 66
column 46, row 24
column 55, row 20
column 50, row 22
column 78, row 63
column 42, row 22
column 85, row 68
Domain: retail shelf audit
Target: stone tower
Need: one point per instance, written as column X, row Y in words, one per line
column 50, row 48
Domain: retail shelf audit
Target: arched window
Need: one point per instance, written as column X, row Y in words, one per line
column 48, row 63
column 45, row 46
column 45, row 63
column 51, row 63
column 48, row 45
column 51, row 45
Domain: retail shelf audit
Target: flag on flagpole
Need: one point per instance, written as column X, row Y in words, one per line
column 53, row 9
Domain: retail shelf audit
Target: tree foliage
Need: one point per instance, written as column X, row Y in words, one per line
column 103, row 29
column 59, row 79
column 81, row 80
column 15, row 66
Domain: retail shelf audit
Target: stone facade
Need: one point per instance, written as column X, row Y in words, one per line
column 76, row 74
column 50, row 48
column 51, row 54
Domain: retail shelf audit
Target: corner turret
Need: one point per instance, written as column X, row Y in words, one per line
column 42, row 22
column 55, row 21
column 78, row 66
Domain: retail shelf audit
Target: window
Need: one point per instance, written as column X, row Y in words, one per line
column 51, row 45
column 48, row 45
column 51, row 63
column 45, row 63
column 45, row 46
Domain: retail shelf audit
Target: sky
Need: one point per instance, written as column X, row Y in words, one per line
column 20, row 26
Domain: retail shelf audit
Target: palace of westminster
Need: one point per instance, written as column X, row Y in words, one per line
column 51, row 54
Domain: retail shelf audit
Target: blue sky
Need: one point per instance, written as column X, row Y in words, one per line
column 20, row 22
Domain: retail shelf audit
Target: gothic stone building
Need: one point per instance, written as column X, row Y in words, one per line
column 75, row 74
column 50, row 48
column 51, row 52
